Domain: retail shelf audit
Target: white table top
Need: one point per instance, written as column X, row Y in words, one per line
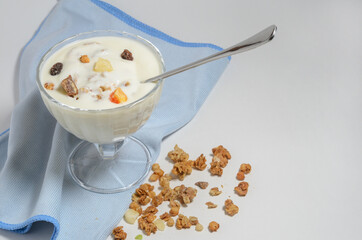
column 293, row 109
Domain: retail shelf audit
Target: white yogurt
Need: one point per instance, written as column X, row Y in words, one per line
column 95, row 87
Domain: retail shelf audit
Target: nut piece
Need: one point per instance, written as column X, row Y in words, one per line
column 240, row 176
column 178, row 155
column 119, row 234
column 56, row 68
column 230, row 208
column 84, row 59
column 213, row 226
column 211, row 205
column 216, row 166
column 193, row 220
column 202, row 185
column 138, row 237
column 49, row 86
column 182, row 222
column 131, row 216
column 69, row 86
column 103, row 65
column 160, row 224
column 245, row 168
column 127, row 55
column 199, row 227
column 200, row 163
column 242, row 188
column 215, row 191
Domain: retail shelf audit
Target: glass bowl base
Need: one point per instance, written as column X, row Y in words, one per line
column 127, row 166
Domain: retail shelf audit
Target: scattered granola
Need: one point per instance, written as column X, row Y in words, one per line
column 211, row 205
column 213, row 226
column 49, row 86
column 202, row 185
column 215, row 191
column 127, row 55
column 84, row 59
column 119, row 234
column 69, row 86
column 200, row 163
column 147, row 220
column 182, row 222
column 242, row 188
column 245, row 168
column 230, row 208
column 56, row 69
column 178, row 155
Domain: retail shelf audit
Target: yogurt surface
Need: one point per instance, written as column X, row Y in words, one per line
column 103, row 74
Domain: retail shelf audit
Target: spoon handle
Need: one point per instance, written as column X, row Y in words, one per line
column 254, row 41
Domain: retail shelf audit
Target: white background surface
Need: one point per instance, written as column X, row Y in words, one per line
column 293, row 109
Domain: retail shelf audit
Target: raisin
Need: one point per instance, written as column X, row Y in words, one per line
column 56, row 69
column 127, row 55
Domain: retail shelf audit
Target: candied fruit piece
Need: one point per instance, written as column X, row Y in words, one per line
column 118, row 96
column 102, row 65
column 84, row 59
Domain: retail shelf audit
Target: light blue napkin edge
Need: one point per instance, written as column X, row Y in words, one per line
column 25, row 226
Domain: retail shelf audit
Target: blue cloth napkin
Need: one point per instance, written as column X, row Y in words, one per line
column 34, row 182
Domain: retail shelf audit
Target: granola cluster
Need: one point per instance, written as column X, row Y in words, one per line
column 242, row 188
column 230, row 208
column 119, row 234
column 180, row 196
column 219, row 161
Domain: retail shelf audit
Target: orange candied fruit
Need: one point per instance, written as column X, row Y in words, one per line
column 118, row 96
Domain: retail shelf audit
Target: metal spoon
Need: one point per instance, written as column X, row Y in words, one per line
column 255, row 41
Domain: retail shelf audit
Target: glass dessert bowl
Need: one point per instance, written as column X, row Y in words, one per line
column 101, row 101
